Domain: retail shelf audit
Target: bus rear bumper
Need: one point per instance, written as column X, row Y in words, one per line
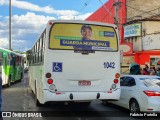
column 80, row 96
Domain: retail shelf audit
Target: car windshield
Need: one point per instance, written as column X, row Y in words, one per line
column 151, row 82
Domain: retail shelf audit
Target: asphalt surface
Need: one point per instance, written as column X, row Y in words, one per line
column 20, row 101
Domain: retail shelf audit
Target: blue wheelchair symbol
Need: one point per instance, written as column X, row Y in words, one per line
column 57, row 67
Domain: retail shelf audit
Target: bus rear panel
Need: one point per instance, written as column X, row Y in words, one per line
column 74, row 68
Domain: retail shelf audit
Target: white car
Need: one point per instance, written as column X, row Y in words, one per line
column 140, row 93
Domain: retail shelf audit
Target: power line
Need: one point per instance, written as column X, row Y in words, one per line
column 23, row 20
column 108, row 13
column 106, row 8
column 148, row 12
column 130, row 0
column 85, row 5
column 144, row 12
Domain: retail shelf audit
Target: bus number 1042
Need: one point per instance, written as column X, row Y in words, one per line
column 109, row 64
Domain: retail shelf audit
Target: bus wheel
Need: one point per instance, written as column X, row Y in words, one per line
column 21, row 77
column 105, row 102
column 37, row 101
column 86, row 103
column 9, row 82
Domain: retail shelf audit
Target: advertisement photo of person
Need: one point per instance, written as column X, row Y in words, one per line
column 86, row 32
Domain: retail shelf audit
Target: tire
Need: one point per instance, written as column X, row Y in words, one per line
column 21, row 77
column 36, row 100
column 105, row 102
column 9, row 82
column 38, row 103
column 134, row 106
column 86, row 103
column 83, row 104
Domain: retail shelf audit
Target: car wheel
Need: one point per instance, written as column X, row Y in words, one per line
column 134, row 106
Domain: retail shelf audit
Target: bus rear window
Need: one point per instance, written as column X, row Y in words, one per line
column 69, row 36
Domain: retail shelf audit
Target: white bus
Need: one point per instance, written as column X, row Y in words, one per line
column 66, row 67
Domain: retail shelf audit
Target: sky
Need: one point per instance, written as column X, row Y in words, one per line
column 29, row 18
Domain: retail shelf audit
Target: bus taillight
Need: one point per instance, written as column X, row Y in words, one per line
column 50, row 81
column 50, row 23
column 48, row 75
column 117, row 75
column 115, row 81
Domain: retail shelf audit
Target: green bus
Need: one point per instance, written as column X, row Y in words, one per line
column 11, row 66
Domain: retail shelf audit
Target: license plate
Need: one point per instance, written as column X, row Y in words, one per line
column 84, row 83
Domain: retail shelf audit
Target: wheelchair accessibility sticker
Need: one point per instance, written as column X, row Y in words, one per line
column 57, row 67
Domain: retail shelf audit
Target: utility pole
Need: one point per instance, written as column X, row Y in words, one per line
column 10, row 25
column 117, row 5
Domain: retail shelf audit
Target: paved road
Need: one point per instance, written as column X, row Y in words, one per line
column 20, row 98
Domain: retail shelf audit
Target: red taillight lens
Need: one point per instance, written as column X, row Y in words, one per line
column 115, row 81
column 50, row 81
column 151, row 93
column 50, row 23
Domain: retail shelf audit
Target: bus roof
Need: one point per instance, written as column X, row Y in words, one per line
column 9, row 51
column 50, row 22
column 81, row 21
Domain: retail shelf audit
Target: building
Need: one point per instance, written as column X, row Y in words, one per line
column 139, row 32
column 144, row 34
column 137, row 9
column 106, row 13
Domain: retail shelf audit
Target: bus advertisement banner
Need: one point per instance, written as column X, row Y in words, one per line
column 80, row 36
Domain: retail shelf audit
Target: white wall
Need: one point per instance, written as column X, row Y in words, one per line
column 151, row 27
column 151, row 42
